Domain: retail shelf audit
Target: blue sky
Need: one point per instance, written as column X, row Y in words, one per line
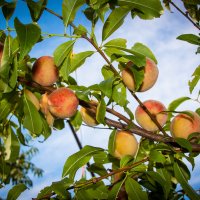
column 176, row 63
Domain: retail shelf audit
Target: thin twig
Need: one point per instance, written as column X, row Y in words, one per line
column 184, row 14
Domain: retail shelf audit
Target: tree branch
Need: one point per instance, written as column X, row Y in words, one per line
column 184, row 14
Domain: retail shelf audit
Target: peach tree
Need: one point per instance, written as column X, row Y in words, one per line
column 39, row 94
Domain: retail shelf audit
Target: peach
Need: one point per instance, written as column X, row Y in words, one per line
column 157, row 109
column 31, row 97
column 125, row 144
column 62, row 103
column 150, row 76
column 183, row 125
column 88, row 117
column 44, row 71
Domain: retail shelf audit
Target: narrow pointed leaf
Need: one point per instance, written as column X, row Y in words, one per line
column 134, row 190
column 114, row 21
column 28, row 35
column 62, row 52
column 69, row 9
column 190, row 192
column 15, row 192
column 77, row 160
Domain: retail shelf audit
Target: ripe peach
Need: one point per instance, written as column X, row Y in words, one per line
column 1, row 52
column 62, row 103
column 156, row 108
column 44, row 71
column 88, row 117
column 150, row 76
column 45, row 110
column 31, row 97
column 125, row 144
column 183, row 125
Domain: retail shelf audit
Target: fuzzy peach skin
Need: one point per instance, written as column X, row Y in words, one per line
column 183, row 125
column 88, row 117
column 44, row 71
column 150, row 76
column 155, row 108
column 31, row 97
column 1, row 52
column 125, row 144
column 62, row 103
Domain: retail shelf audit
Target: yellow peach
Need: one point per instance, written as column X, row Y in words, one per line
column 157, row 109
column 125, row 144
column 88, row 117
column 183, row 125
column 150, row 76
column 44, row 71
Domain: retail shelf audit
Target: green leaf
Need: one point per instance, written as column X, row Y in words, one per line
column 62, row 52
column 126, row 160
column 101, row 111
column 190, row 192
column 113, row 193
column 119, row 94
column 191, row 38
column 12, row 146
column 157, row 156
column 28, row 35
column 118, row 42
column 174, row 104
column 77, row 160
column 6, row 59
column 97, row 169
column 78, row 59
column 76, row 121
column 184, row 143
column 32, row 119
column 36, row 8
column 134, row 190
column 16, row 191
column 144, row 50
column 69, row 9
column 111, row 142
column 8, row 9
column 106, row 86
column 80, row 30
column 107, row 72
column 195, row 80
column 114, row 21
column 149, row 8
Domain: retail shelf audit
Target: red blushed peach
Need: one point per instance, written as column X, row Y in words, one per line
column 125, row 144
column 62, row 103
column 157, row 109
column 44, row 71
column 150, row 76
column 183, row 125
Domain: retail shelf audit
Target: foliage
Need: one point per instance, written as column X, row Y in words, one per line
column 157, row 168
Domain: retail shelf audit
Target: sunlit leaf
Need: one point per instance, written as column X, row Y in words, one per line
column 62, row 51
column 149, row 8
column 28, row 35
column 77, row 160
column 111, row 142
column 101, row 112
column 114, row 21
column 69, row 9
